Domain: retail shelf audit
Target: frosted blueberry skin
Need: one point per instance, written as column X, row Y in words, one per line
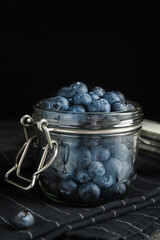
column 119, row 106
column 96, row 169
column 99, row 91
column 60, row 103
column 120, row 95
column 83, row 99
column 77, row 109
column 67, row 187
column 63, row 92
column 111, row 97
column 23, row 220
column 94, row 96
column 77, row 87
column 82, row 176
column 101, row 105
column 89, row 192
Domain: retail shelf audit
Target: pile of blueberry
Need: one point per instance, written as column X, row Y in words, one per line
column 88, row 169
column 77, row 98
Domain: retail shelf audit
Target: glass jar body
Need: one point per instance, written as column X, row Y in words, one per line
column 90, row 169
column 96, row 159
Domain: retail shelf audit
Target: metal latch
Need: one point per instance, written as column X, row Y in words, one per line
column 52, row 145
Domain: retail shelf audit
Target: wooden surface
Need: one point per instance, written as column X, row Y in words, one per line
column 12, row 137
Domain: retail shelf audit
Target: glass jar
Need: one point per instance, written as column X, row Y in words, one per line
column 85, row 158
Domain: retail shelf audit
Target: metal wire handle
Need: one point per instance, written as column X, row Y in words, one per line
column 27, row 121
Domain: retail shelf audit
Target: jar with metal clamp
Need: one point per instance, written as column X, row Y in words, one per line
column 84, row 158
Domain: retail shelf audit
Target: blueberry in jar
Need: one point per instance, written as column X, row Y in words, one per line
column 60, row 103
column 119, row 106
column 24, row 219
column 101, row 105
column 100, row 153
column 82, row 176
column 94, row 96
column 77, row 87
column 83, row 99
column 96, row 169
column 77, row 109
column 113, row 168
column 83, row 156
column 67, row 187
column 99, row 91
column 111, row 97
column 120, row 95
column 89, row 192
column 103, row 182
column 63, row 92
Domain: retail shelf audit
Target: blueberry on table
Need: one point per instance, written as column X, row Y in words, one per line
column 67, row 187
column 77, row 109
column 99, row 91
column 82, row 177
column 111, row 97
column 83, row 99
column 94, row 96
column 60, row 103
column 119, row 107
column 96, row 169
column 100, row 105
column 77, row 87
column 24, row 219
column 89, row 192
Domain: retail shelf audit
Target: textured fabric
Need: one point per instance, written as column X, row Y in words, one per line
column 136, row 216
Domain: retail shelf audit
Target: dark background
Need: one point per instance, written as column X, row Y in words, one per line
column 46, row 47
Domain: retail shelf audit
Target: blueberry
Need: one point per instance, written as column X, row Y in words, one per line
column 118, row 188
column 99, row 91
column 60, row 103
column 100, row 153
column 84, row 156
column 103, row 181
column 113, row 167
column 96, row 169
column 77, row 87
column 24, row 219
column 120, row 95
column 82, row 177
column 119, row 107
column 120, row 151
column 89, row 192
column 77, row 109
column 111, row 97
column 63, row 92
column 130, row 107
column 67, row 187
column 94, row 96
column 101, row 105
column 127, row 171
column 83, row 99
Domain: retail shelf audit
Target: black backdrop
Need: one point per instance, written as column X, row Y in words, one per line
column 46, row 47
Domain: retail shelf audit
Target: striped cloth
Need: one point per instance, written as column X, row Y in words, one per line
column 135, row 217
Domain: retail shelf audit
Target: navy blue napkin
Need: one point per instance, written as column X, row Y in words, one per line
column 136, row 216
